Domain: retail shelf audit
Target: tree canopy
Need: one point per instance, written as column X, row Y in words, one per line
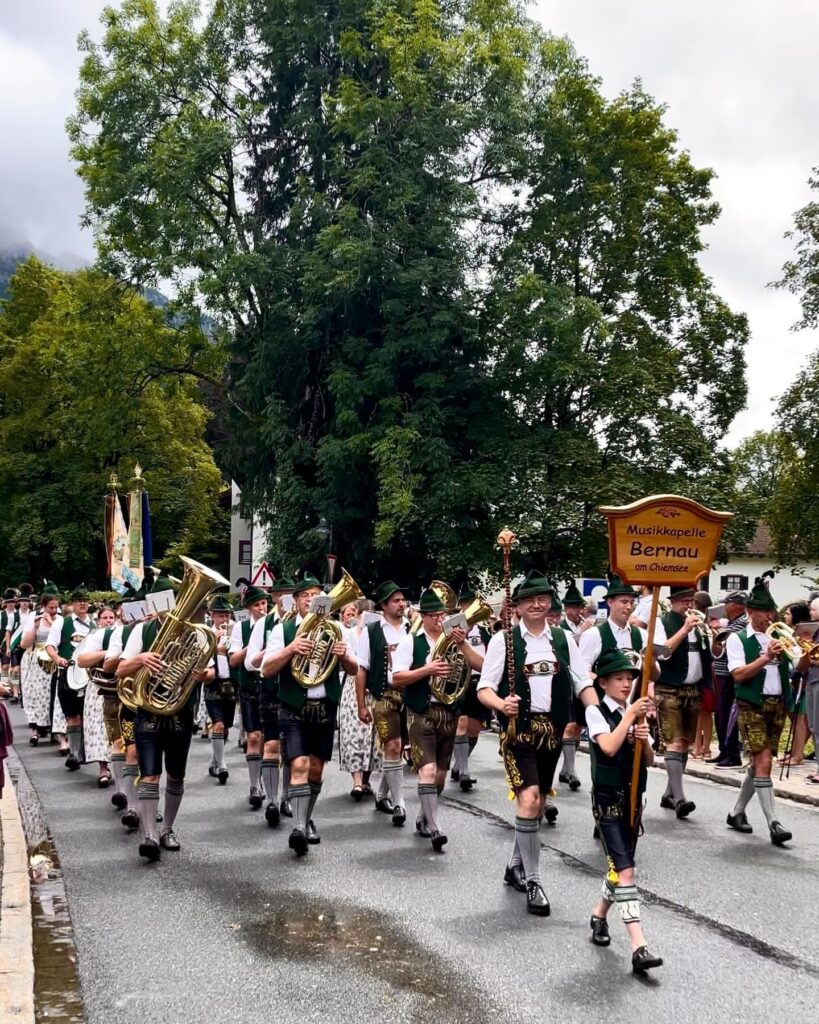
column 92, row 380
column 462, row 286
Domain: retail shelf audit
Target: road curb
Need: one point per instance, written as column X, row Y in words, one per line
column 16, row 939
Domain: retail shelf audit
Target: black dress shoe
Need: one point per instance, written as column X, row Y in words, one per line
column 298, row 842
column 384, row 804
column 130, row 820
column 600, row 931
column 119, row 801
column 536, row 901
column 357, row 793
column 714, row 760
column 780, row 835
column 574, row 783
column 399, row 816
column 313, row 838
column 272, row 815
column 256, row 798
column 643, row 960
column 149, row 848
column 467, row 782
column 596, row 832
column 286, row 809
column 168, row 841
column 684, row 808
column 439, row 840
column 421, row 827
column 667, row 803
column 739, row 822
column 222, row 775
column 104, row 781
column 515, row 877
column 550, row 813
column 72, row 764
column 212, row 770
column 455, row 775
column 33, row 741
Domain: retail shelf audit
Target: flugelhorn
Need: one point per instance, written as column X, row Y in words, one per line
column 793, row 646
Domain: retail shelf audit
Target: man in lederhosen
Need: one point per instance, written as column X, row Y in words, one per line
column 548, row 673
column 220, row 691
column 473, row 715
column 255, row 602
column 65, row 636
column 307, row 715
column 573, row 623
column 376, row 649
column 432, row 724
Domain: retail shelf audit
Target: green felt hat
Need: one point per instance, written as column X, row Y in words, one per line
column 160, row 584
column 305, row 584
column 430, row 603
column 760, row 598
column 678, row 593
column 9, row 594
column 573, row 597
column 281, row 584
column 220, row 604
column 385, row 590
column 619, row 589
column 467, row 594
column 51, row 590
column 80, row 594
column 513, row 596
column 615, row 661
column 254, row 594
column 534, row 584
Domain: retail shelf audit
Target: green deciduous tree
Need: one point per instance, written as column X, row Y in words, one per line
column 801, row 275
column 94, row 379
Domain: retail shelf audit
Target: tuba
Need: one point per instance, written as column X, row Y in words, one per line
column 452, row 689
column 184, row 647
column 315, row 668
column 447, row 596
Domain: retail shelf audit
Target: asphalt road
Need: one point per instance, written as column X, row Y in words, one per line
column 374, row 926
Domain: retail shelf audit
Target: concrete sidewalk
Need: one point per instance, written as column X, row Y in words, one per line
column 794, row 788
column 16, row 940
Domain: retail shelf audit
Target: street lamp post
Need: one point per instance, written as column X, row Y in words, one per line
column 325, row 532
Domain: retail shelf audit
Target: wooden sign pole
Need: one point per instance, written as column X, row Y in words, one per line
column 648, row 661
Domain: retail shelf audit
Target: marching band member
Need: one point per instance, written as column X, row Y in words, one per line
column 677, row 693
column 613, row 736
column 760, row 670
column 158, row 738
column 255, row 602
column 549, row 670
column 36, row 682
column 376, row 651
column 95, row 739
column 307, row 715
column 616, row 632
column 472, row 715
column 220, row 696
column 9, row 621
column 573, row 623
column 65, row 635
column 432, row 724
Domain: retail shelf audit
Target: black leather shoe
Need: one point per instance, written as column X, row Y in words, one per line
column 222, row 775
column 780, row 835
column 286, row 809
column 149, row 849
column 421, row 827
column 684, row 808
column 667, row 803
column 168, row 841
column 574, row 783
column 256, row 798
column 550, row 813
column 643, row 960
column 714, row 760
column 130, row 820
column 536, row 901
column 313, row 838
column 33, row 741
column 272, row 815
column 119, row 801
column 455, row 775
column 385, row 805
column 739, row 822
column 298, row 842
column 399, row 816
column 439, row 840
column 212, row 770
column 596, row 832
column 515, row 877
column 71, row 763
column 600, row 931
column 467, row 782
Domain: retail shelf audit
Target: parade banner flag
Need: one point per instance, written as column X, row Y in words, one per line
column 147, row 539
column 135, row 554
column 122, row 576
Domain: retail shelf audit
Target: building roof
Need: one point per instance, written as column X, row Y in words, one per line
column 759, row 546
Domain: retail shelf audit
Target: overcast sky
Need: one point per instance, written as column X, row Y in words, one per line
column 738, row 76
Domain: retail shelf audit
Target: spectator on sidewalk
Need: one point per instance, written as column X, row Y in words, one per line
column 812, row 694
column 727, row 728
column 793, row 615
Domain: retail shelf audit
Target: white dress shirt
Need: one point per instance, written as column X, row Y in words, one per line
column 735, row 652
column 591, row 643
column 55, row 633
column 134, row 645
column 275, row 645
column 538, row 648
column 595, row 722
column 404, row 653
column 393, row 636
column 115, row 644
column 255, row 643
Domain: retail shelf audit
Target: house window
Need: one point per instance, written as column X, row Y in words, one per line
column 244, row 552
column 731, row 583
